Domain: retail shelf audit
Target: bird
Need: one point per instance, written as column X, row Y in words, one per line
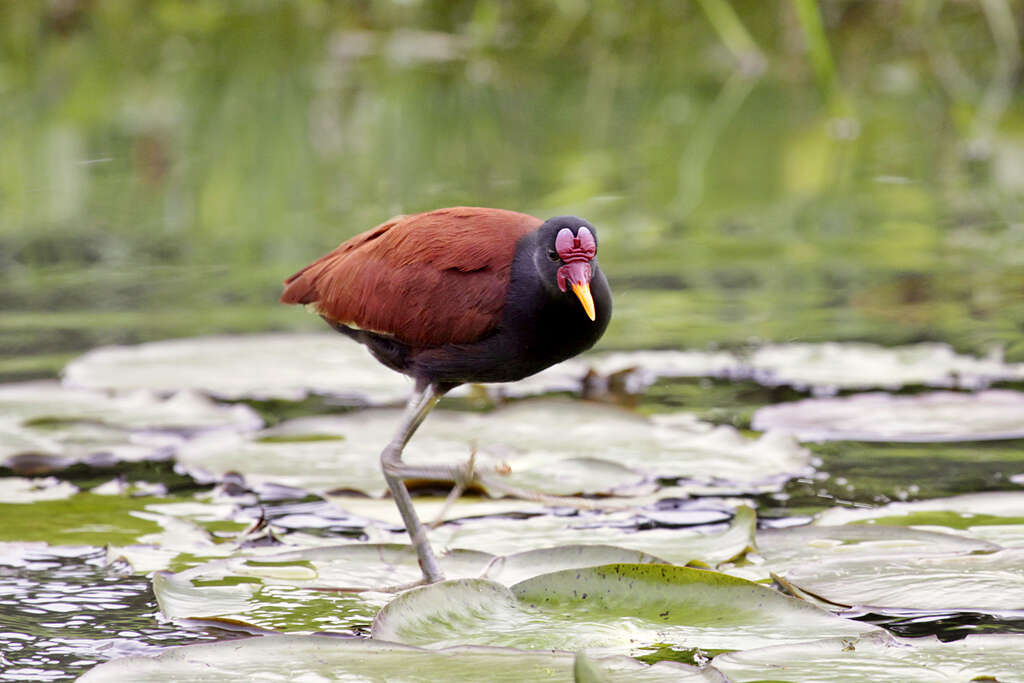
column 458, row 295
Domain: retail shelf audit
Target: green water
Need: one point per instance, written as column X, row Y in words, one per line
column 166, row 164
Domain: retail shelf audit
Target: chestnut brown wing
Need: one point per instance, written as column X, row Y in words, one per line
column 427, row 279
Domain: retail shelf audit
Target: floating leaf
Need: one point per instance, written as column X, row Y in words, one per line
column 510, row 569
column 879, row 658
column 288, row 366
column 47, row 428
column 812, row 543
column 559, row 446
column 621, row 608
column 834, row 366
column 502, row 536
column 782, row 549
column 275, row 366
column 47, row 404
column 991, row 582
column 990, row 506
column 294, row 657
column 930, row 417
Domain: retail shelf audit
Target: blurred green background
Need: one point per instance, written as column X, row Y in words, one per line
column 759, row 170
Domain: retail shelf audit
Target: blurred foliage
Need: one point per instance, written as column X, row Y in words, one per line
column 785, row 169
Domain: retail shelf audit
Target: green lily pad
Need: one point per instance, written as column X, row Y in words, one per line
column 929, row 417
column 36, row 450
column 812, row 543
column 48, row 405
column 276, row 366
column 881, row 659
column 621, row 608
column 994, row 516
column 295, row 657
column 332, row 587
column 353, row 567
column 783, row 549
column 681, row 546
column 285, row 366
column 833, row 365
column 46, row 427
column 510, row 569
column 991, row 582
column 558, row 447
column 991, row 507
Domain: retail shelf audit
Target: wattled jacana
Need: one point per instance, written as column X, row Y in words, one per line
column 459, row 295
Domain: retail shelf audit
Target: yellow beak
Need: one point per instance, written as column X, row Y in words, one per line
column 582, row 290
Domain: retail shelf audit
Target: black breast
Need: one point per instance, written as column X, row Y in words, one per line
column 540, row 326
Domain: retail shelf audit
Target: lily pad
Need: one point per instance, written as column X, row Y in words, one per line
column 881, row 659
column 557, row 447
column 621, row 608
column 47, row 404
column 991, row 582
column 276, row 366
column 286, row 366
column 510, row 569
column 295, row 657
column 812, row 543
column 332, row 587
column 928, row 417
column 681, row 546
column 638, row 370
column 782, row 549
column 55, row 447
column 994, row 516
column 46, row 427
column 989, row 506
column 832, row 366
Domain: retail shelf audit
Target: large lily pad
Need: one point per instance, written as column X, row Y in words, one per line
column 276, row 366
column 832, row 366
column 881, row 659
column 935, row 416
column 355, row 567
column 813, row 543
column 502, row 536
column 45, row 427
column 293, row 657
column 622, row 608
column 46, row 403
column 288, row 366
column 557, row 447
column 995, row 516
column 332, row 587
column 991, row 582
column 783, row 549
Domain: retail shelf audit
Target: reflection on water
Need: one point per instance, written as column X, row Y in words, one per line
column 164, row 169
column 62, row 611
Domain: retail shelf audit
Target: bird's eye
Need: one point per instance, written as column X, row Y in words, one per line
column 553, row 255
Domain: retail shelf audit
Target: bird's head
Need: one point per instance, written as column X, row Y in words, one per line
column 567, row 252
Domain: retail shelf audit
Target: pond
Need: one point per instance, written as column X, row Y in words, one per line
column 813, row 381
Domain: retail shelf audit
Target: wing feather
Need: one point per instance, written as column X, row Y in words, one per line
column 427, row 279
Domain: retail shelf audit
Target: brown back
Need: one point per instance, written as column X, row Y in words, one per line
column 427, row 279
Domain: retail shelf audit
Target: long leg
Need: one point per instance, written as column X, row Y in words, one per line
column 423, row 399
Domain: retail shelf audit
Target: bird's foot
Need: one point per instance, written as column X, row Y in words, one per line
column 463, row 476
